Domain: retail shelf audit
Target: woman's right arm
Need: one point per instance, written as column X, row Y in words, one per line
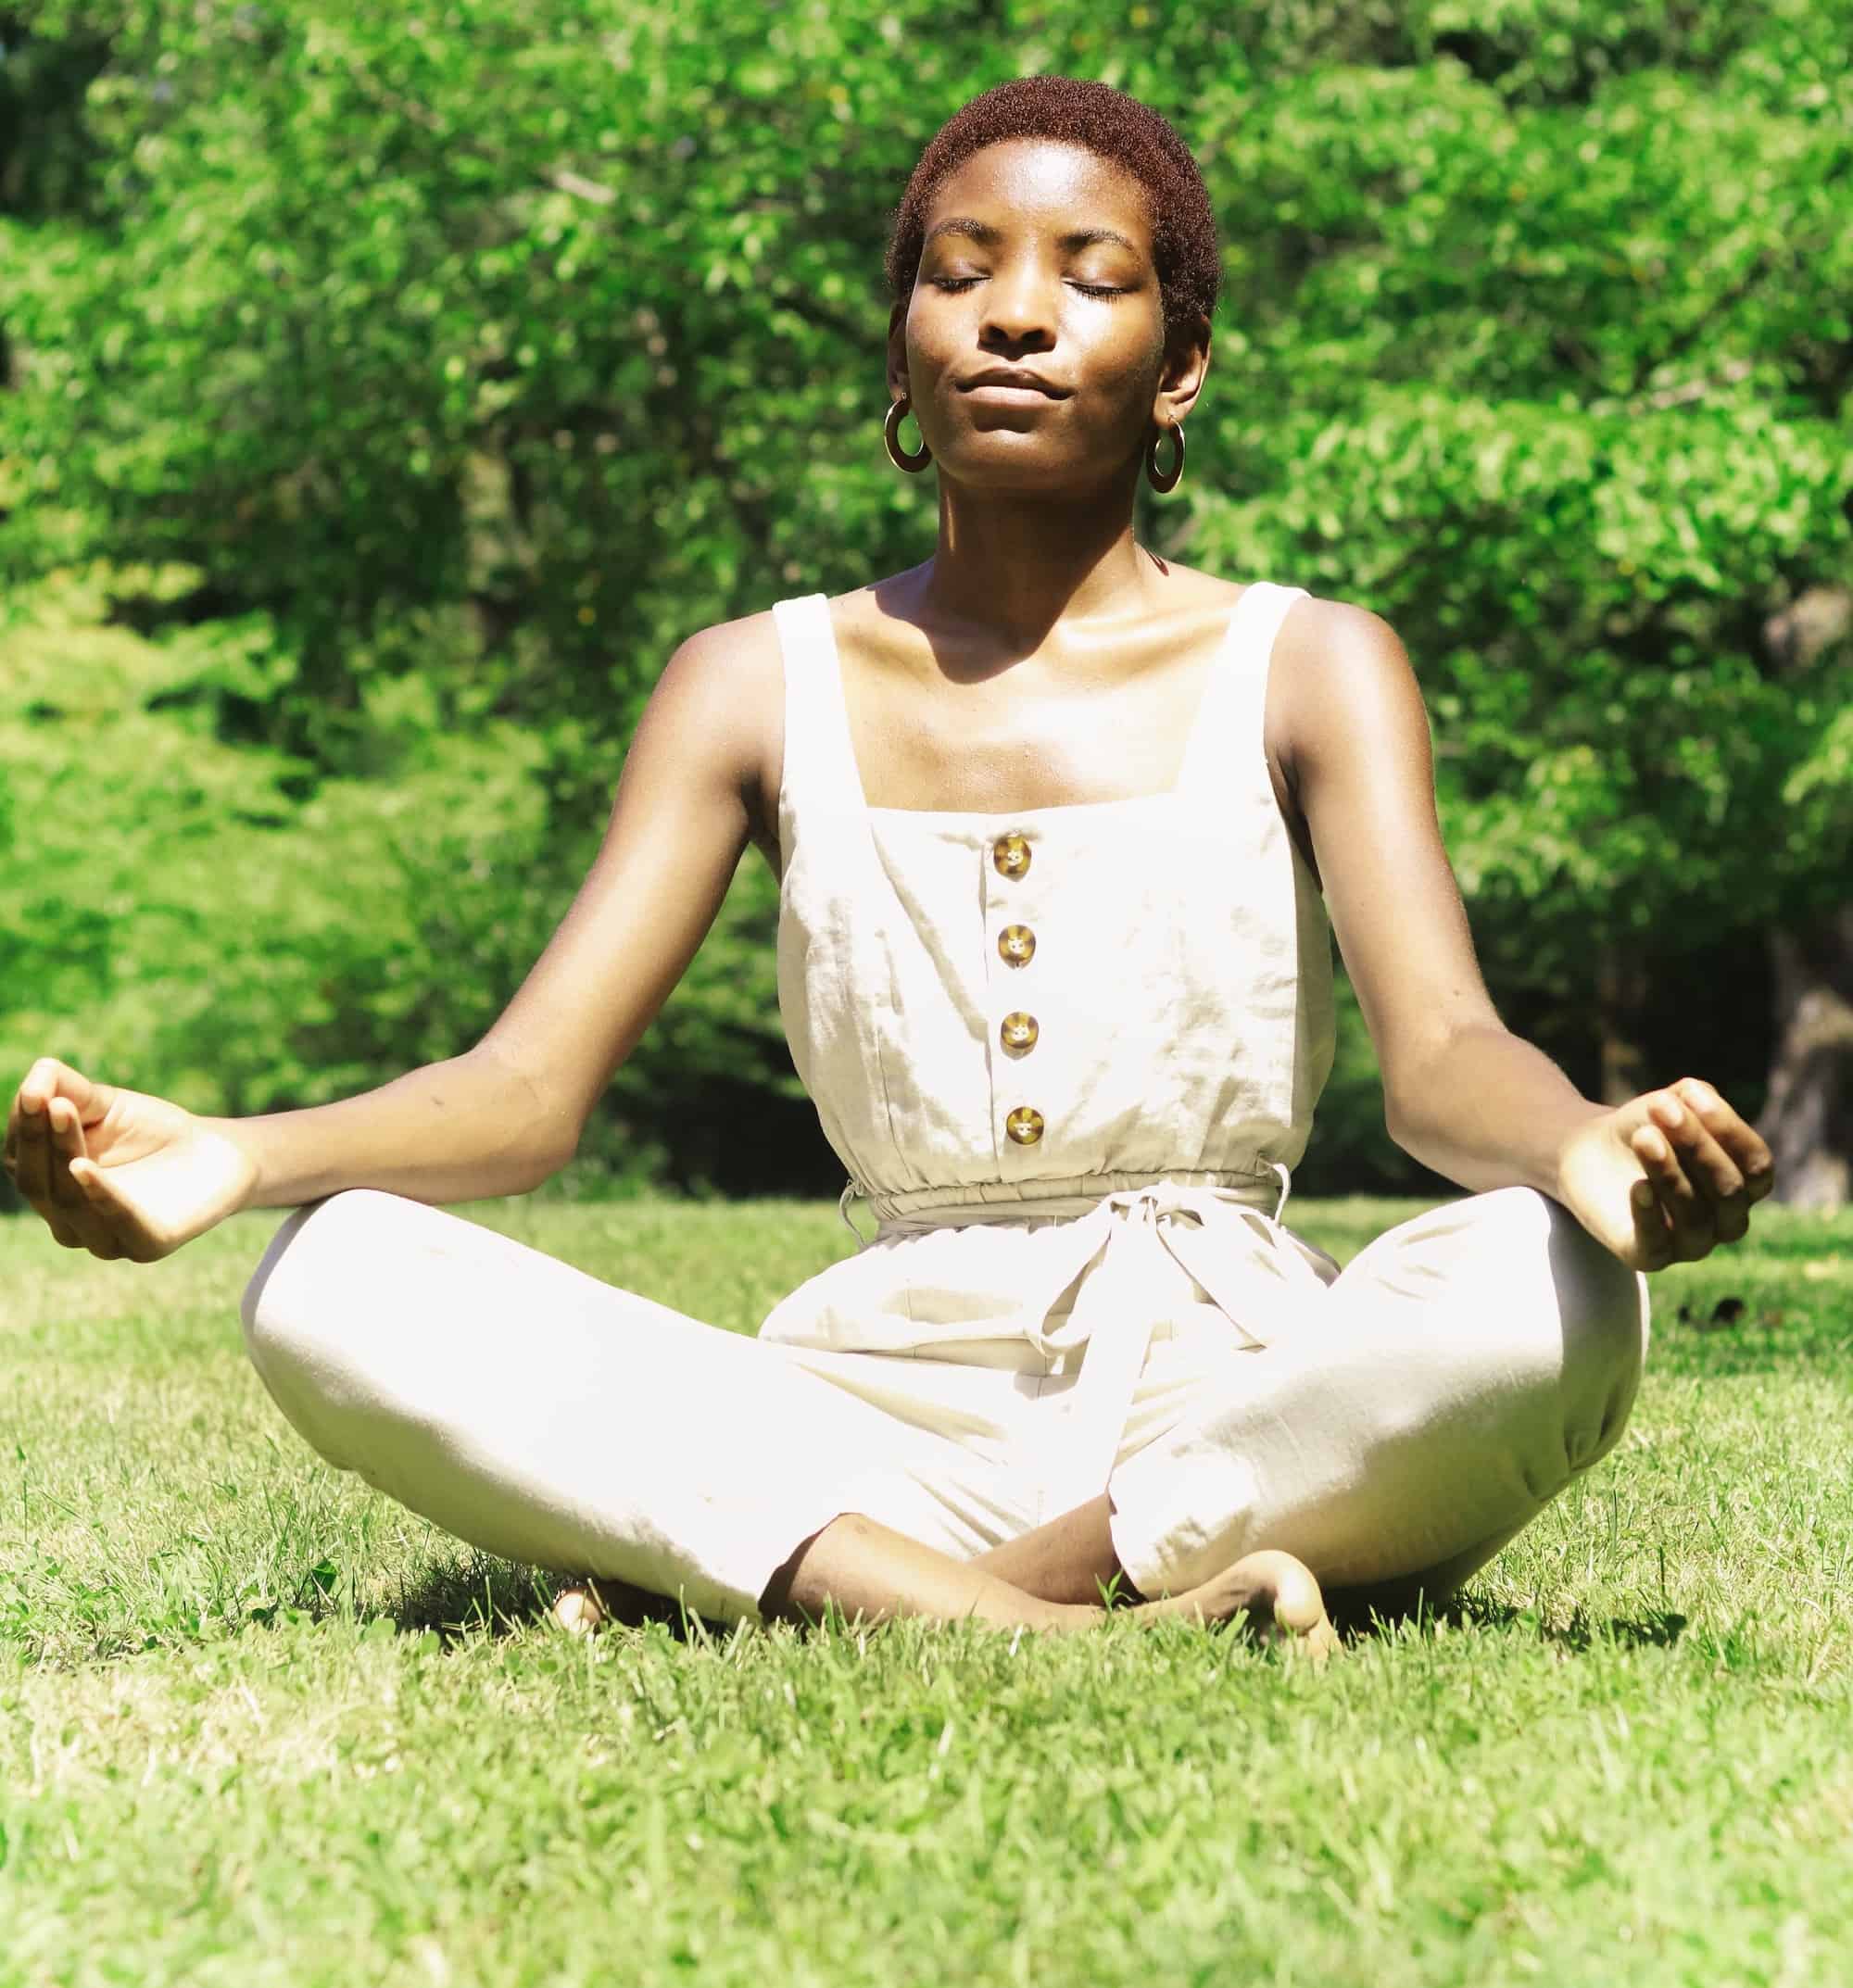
column 124, row 1174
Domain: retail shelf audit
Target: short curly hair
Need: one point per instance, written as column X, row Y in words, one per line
column 1115, row 127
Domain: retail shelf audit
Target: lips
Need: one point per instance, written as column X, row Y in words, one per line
column 1014, row 381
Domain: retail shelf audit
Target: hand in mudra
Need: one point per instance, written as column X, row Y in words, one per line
column 1667, row 1177
column 115, row 1172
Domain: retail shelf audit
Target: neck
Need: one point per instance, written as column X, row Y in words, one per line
column 1018, row 562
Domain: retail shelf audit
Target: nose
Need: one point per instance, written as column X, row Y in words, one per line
column 1019, row 309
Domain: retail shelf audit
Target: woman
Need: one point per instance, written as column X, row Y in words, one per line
column 1058, row 826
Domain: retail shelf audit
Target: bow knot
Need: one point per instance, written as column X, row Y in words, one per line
column 1112, row 1316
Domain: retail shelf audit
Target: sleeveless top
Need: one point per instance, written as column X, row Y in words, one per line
column 1028, row 1033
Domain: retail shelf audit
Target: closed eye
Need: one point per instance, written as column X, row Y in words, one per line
column 964, row 283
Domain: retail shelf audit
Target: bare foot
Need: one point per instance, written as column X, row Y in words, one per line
column 576, row 1609
column 1277, row 1594
column 591, row 1602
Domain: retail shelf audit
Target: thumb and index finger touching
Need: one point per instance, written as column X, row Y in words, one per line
column 1703, row 1170
column 49, row 1078
column 1691, row 1113
column 32, row 1120
column 47, row 1158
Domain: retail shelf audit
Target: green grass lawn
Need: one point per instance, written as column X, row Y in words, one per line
column 257, row 1725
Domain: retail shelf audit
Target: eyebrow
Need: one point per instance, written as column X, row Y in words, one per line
column 983, row 233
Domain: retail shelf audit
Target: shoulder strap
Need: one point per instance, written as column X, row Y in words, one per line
column 820, row 763
column 1229, row 734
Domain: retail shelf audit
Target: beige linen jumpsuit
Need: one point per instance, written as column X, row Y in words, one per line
column 1068, row 1057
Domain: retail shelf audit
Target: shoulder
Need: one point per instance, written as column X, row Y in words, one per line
column 1341, row 678
column 736, row 668
column 717, row 710
column 733, row 669
column 1340, row 643
column 726, row 656
column 722, row 691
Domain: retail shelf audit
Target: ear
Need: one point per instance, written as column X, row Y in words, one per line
column 897, row 351
column 1187, row 360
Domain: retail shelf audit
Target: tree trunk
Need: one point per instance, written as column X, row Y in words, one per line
column 1808, row 1119
column 1620, row 989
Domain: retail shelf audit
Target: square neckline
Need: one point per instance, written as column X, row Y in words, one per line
column 1167, row 797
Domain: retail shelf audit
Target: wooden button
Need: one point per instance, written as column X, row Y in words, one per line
column 1025, row 1125
column 1017, row 945
column 1011, row 855
column 1017, row 1032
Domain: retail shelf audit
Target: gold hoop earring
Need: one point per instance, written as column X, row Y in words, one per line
column 891, row 435
column 1165, row 480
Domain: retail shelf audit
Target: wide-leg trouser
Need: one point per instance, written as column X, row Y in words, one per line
column 1434, row 1396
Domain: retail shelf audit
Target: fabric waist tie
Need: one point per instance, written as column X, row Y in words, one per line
column 1121, row 1247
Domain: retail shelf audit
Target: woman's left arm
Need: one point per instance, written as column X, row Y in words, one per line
column 1662, row 1178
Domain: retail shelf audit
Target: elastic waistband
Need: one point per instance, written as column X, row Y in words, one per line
column 1012, row 1201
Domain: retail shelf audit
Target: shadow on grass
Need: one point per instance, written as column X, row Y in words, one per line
column 1659, row 1629
column 1358, row 1615
column 1724, row 1328
column 478, row 1595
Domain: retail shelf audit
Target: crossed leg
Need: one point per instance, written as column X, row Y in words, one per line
column 1465, row 1367
column 869, row 1571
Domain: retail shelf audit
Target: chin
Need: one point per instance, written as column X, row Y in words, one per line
column 981, row 465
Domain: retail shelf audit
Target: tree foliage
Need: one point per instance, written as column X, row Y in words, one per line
column 393, row 389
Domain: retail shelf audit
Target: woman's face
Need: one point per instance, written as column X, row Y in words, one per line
column 1038, row 262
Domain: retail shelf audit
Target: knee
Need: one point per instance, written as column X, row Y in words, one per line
column 1603, row 1309
column 1576, row 1322
column 304, row 1308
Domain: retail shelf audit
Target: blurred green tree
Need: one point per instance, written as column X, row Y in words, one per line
column 476, row 355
